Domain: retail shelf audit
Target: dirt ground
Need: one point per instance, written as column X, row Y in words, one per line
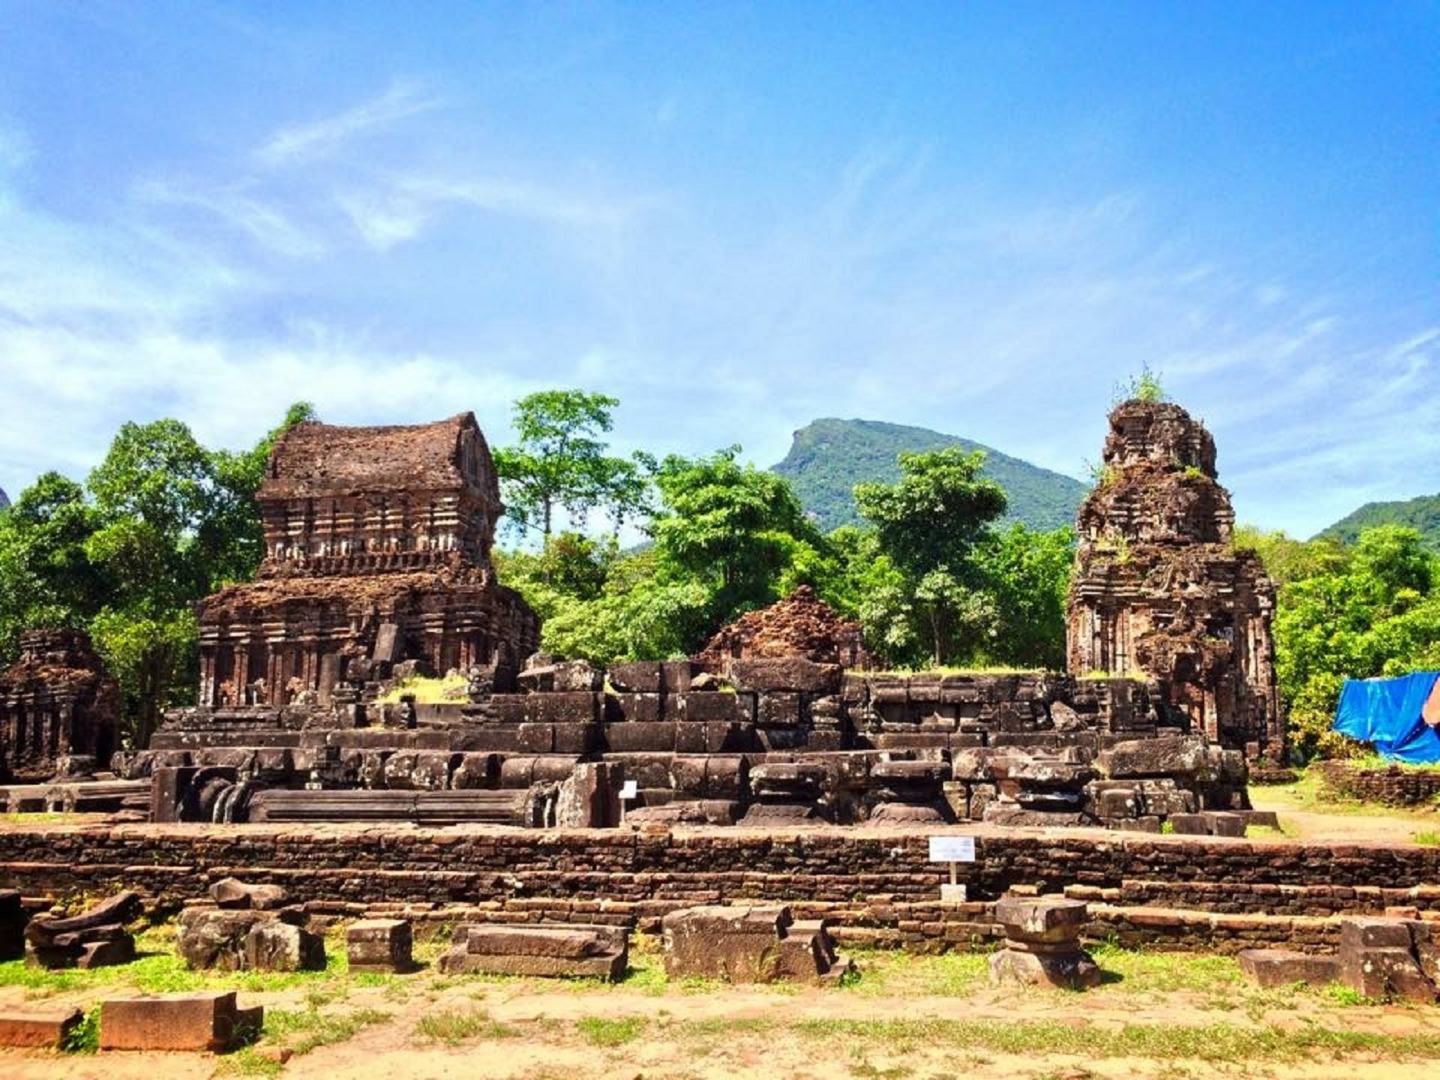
column 904, row 1018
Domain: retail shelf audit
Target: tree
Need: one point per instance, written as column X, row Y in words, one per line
column 928, row 523
column 739, row 532
column 560, row 462
column 1028, row 576
column 1375, row 611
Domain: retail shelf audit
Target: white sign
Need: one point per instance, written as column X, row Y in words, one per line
column 952, row 849
column 630, row 790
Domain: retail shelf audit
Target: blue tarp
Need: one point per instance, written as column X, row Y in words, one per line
column 1386, row 712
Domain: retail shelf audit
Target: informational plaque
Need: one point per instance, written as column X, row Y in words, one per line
column 952, row 849
column 631, row 790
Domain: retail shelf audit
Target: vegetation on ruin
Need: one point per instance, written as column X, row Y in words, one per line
column 162, row 521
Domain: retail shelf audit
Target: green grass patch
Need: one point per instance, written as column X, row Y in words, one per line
column 1428, row 838
column 1208, row 1042
column 84, row 1037
column 455, row 1026
column 893, row 974
column 303, row 1030
column 610, row 1031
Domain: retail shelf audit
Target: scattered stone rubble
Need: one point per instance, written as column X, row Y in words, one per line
column 59, row 709
column 249, row 928
column 1042, row 944
column 743, row 944
column 800, row 625
column 1160, row 590
column 566, row 951
column 95, row 938
column 1379, row 958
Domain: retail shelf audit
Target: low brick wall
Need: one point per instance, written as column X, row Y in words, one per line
column 1394, row 785
column 877, row 886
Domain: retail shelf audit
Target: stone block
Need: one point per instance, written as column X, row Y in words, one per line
column 564, row 707
column 635, row 708
column 476, row 771
column 418, row 770
column 710, row 706
column 213, row 938
column 676, row 675
column 1385, row 973
column 1189, row 824
column 691, row 738
column 39, row 1026
column 1118, row 803
column 384, row 945
column 640, row 677
column 1072, row 970
column 1370, row 933
column 792, row 673
column 576, row 739
column 537, row 738
column 1270, row 968
column 652, row 738
column 207, row 1020
column 1221, row 823
column 739, row 944
column 277, row 946
column 1164, row 755
column 233, row 894
column 551, row 951
column 779, row 709
column 1040, row 919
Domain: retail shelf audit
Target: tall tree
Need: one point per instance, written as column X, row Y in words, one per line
column 559, row 462
column 928, row 523
column 740, row 532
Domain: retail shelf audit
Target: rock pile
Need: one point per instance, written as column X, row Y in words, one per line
column 801, row 625
column 250, row 928
column 95, row 938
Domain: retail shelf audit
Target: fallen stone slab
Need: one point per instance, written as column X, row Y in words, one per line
column 38, row 1027
column 208, row 1020
column 119, row 909
column 279, row 946
column 551, row 951
column 214, row 938
column 230, row 893
column 748, row 944
column 384, row 945
column 1270, row 968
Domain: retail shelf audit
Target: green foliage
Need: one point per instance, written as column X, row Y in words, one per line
column 1143, row 387
column 829, row 457
column 928, row 523
column 1028, row 575
column 1421, row 514
column 161, row 523
column 84, row 1037
column 560, row 462
column 1370, row 611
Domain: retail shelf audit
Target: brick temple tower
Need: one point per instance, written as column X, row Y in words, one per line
column 377, row 551
column 1159, row 589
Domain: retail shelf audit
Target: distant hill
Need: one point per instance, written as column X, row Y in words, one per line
column 4, row 499
column 1422, row 513
column 829, row 457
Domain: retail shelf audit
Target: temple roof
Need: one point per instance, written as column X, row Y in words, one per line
column 315, row 460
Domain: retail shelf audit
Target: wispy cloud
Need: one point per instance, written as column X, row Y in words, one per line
column 301, row 144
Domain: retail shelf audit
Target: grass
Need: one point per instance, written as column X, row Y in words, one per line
column 304, row 1030
column 1428, row 838
column 1168, row 1042
column 452, row 690
column 455, row 1026
column 610, row 1031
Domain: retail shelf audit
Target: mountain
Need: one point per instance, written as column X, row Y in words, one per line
column 1422, row 513
column 829, row 457
column 4, row 499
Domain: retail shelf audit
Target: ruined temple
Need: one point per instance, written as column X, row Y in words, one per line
column 801, row 625
column 377, row 553
column 59, row 708
column 1159, row 589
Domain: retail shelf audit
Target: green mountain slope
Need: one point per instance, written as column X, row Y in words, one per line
column 829, row 457
column 1422, row 513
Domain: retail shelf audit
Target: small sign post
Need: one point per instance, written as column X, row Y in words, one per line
column 629, row 792
column 952, row 850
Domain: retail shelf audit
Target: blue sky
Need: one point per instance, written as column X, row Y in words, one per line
column 973, row 217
